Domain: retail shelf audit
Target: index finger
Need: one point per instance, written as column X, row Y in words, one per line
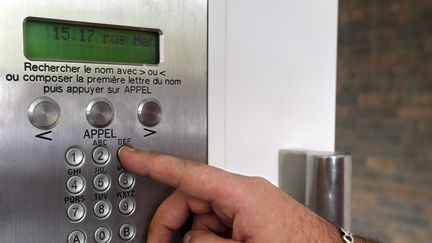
column 195, row 179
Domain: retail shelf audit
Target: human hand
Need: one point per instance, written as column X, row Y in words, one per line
column 227, row 207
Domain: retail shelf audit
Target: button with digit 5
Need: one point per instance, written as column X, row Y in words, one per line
column 101, row 182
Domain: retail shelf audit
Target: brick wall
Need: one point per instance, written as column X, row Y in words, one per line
column 384, row 115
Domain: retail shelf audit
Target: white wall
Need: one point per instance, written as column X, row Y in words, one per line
column 272, row 76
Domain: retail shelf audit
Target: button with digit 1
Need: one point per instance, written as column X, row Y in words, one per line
column 75, row 156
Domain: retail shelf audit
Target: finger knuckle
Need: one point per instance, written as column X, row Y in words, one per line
column 260, row 181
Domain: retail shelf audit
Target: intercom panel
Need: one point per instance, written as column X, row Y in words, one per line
column 78, row 80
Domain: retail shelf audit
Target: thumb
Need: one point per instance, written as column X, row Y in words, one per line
column 205, row 236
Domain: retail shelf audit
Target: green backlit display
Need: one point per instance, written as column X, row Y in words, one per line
column 55, row 40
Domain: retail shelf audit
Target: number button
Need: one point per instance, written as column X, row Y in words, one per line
column 74, row 156
column 76, row 212
column 77, row 237
column 127, row 232
column 102, row 209
column 101, row 182
column 126, row 180
column 127, row 206
column 75, row 184
column 102, row 235
column 101, row 155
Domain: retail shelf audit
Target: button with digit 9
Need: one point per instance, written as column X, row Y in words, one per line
column 127, row 206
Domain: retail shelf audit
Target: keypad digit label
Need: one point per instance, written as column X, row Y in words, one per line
column 76, row 212
column 127, row 206
column 102, row 209
column 75, row 157
column 126, row 180
column 101, row 182
column 101, row 155
column 103, row 235
column 75, row 185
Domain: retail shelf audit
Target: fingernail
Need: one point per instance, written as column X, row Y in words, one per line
column 187, row 237
column 124, row 147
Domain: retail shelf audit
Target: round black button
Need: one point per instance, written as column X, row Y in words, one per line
column 149, row 113
column 44, row 113
column 100, row 112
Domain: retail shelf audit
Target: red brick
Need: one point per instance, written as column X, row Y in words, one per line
column 421, row 234
column 376, row 99
column 386, row 165
column 384, row 115
column 415, row 113
column 419, row 99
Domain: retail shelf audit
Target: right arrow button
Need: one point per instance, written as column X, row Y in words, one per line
column 150, row 112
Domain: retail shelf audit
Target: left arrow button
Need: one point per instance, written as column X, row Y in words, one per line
column 44, row 113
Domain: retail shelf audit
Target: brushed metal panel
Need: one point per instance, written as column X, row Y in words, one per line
column 33, row 171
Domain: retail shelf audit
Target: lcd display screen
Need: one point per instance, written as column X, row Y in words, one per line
column 58, row 40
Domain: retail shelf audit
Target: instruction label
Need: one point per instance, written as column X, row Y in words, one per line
column 92, row 80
